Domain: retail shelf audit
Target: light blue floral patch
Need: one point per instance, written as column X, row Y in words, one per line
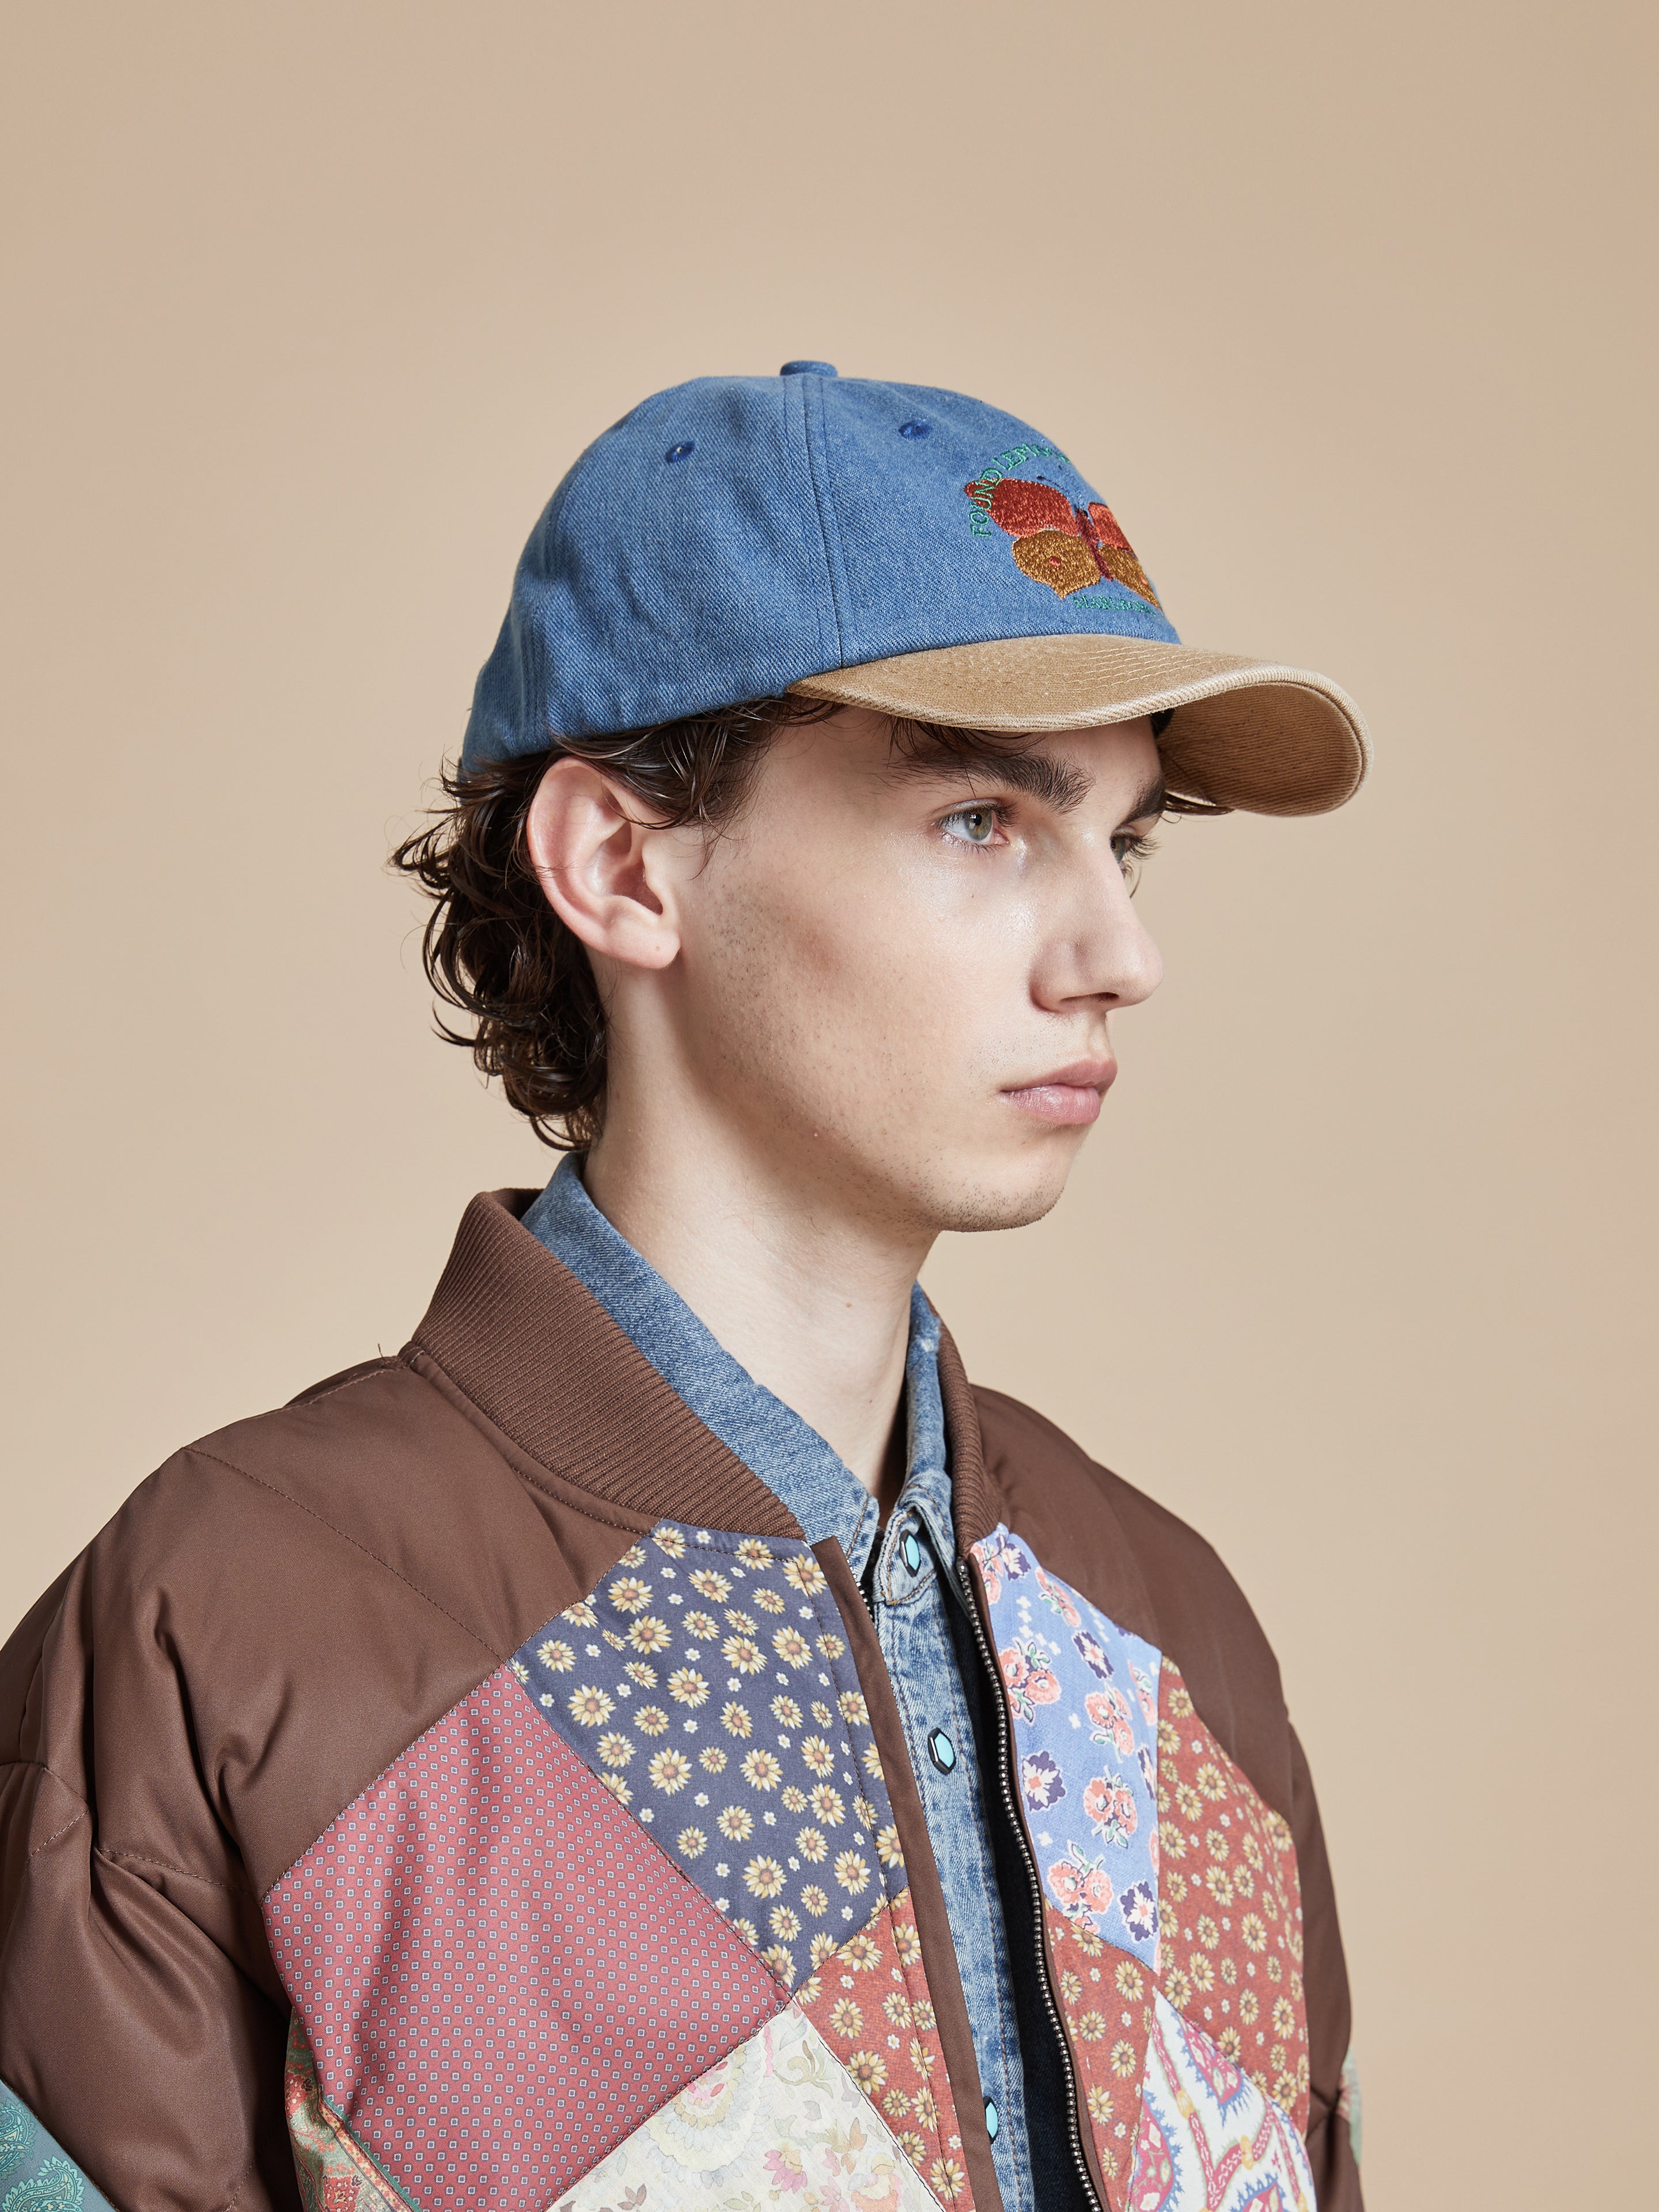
column 1083, row 1696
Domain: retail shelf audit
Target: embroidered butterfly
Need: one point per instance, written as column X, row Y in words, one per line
column 1056, row 544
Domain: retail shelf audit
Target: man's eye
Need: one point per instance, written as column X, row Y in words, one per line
column 971, row 826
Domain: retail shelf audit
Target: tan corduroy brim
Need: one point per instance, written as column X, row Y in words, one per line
column 1245, row 734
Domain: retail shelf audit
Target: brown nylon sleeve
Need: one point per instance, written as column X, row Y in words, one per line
column 1325, row 1980
column 938, row 1950
column 265, row 1623
column 139, row 2020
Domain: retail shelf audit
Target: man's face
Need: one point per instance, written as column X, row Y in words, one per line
column 897, row 976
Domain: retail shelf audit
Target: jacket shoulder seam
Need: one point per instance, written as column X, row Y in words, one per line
column 82, row 1806
column 322, row 1519
column 370, row 1370
column 111, row 1853
column 118, row 1857
column 41, row 1767
column 46, row 1842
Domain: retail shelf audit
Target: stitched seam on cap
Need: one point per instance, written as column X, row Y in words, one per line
column 539, row 675
column 818, row 462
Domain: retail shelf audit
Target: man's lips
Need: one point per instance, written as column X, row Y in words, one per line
column 1072, row 1094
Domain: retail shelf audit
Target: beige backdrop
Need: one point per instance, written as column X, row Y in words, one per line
column 1347, row 313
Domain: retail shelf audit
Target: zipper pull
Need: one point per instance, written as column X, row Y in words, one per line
column 867, row 1579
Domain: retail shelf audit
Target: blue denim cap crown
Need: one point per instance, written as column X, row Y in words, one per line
column 738, row 534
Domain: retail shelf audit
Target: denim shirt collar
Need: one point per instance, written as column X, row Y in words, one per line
column 789, row 1456
column 927, row 1480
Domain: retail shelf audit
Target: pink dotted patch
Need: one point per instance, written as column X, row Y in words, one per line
column 499, row 1976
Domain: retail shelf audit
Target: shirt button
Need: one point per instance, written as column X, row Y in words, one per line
column 912, row 1551
column 941, row 1751
column 993, row 2119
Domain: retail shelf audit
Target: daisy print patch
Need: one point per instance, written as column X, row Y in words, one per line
column 706, row 1682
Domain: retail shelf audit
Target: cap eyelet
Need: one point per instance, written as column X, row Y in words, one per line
column 915, row 429
column 679, row 452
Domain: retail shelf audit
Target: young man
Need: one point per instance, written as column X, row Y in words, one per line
column 665, row 1740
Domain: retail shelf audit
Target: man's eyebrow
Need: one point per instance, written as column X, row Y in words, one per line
column 1055, row 783
column 1151, row 799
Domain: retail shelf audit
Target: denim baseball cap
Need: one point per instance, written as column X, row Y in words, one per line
column 881, row 545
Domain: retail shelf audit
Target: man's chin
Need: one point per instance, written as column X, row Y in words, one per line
column 973, row 1204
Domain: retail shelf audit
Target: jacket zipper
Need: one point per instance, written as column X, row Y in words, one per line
column 867, row 1580
column 1010, row 1806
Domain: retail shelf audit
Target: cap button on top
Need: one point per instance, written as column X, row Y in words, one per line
column 807, row 369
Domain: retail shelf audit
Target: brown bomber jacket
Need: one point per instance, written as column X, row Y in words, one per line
column 328, row 1874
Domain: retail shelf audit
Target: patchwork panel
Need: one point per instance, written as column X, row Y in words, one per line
column 1232, row 1906
column 779, row 2122
column 1105, row 1998
column 334, row 2174
column 35, row 2175
column 499, row 1977
column 1209, row 2141
column 1191, row 1904
column 1083, row 1696
column 1350, row 2105
column 871, row 2005
column 707, row 1683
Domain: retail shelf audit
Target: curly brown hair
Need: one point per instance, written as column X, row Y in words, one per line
column 495, row 949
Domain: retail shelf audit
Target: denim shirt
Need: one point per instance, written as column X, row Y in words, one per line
column 901, row 1571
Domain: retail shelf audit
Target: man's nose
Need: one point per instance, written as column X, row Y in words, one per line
column 1101, row 950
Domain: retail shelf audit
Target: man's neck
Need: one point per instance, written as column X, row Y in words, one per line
column 814, row 1304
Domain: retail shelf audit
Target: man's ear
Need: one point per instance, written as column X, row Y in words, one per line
column 604, row 866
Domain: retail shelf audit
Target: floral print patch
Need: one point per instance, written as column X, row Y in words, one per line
column 1231, row 1906
column 1083, row 1697
column 1105, row 1998
column 335, row 2175
column 781, row 2122
column 706, row 1682
column 870, row 2003
column 1207, row 2139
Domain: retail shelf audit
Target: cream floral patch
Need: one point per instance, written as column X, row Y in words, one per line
column 779, row 2122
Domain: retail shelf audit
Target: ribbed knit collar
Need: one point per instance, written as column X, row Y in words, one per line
column 524, row 1342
